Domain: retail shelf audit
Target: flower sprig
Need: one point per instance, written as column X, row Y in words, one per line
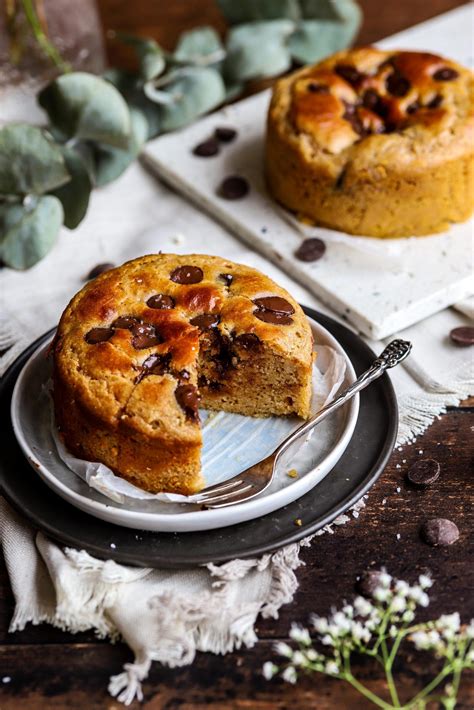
column 376, row 627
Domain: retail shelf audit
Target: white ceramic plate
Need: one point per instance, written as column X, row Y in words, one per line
column 313, row 460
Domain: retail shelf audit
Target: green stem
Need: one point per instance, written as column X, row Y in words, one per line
column 366, row 692
column 48, row 48
column 388, row 674
column 431, row 686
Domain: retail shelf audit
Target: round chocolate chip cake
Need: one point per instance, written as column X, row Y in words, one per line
column 140, row 347
column 374, row 143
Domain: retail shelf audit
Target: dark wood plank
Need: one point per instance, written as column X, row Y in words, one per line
column 76, row 677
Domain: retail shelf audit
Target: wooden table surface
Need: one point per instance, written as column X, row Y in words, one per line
column 52, row 669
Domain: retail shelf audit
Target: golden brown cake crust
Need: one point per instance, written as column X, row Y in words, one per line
column 128, row 353
column 374, row 143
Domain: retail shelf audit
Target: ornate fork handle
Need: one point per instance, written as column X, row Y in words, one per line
column 394, row 354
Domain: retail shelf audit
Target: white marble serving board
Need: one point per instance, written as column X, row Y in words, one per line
column 379, row 286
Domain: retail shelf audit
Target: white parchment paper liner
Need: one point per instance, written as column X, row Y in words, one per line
column 232, row 442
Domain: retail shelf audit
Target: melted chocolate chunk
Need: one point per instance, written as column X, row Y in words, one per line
column 187, row 275
column 145, row 335
column 125, row 322
column 187, row 397
column 397, row 85
column 435, row 101
column 154, row 365
column 248, row 341
column 275, row 304
column 205, row 321
column 226, row 278
column 233, row 187
column 207, row 149
column 161, row 301
column 99, row 269
column 349, row 73
column 225, row 134
column 353, row 118
column 424, row 472
column 311, row 249
column 372, row 101
column 273, row 317
column 98, row 335
column 445, row 74
column 317, row 88
column 413, row 108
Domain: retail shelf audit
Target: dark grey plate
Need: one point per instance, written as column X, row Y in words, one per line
column 359, row 467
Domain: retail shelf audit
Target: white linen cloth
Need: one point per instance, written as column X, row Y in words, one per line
column 162, row 615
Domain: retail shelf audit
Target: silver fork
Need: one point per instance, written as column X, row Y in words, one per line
column 257, row 478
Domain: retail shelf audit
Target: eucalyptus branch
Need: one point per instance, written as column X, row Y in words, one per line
column 42, row 39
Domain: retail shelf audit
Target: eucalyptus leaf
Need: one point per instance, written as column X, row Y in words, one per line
column 30, row 161
column 240, row 11
column 150, row 54
column 28, row 231
column 316, row 39
column 74, row 196
column 110, row 163
column 201, row 46
column 131, row 89
column 86, row 107
column 193, row 93
column 258, row 49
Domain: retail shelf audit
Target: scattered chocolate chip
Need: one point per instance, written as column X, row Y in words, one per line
column 317, row 88
column 435, row 101
column 225, row 134
column 439, row 531
column 226, row 278
column 99, row 269
column 413, row 107
column 207, row 149
column 187, row 275
column 311, row 249
column 272, row 317
column 397, row 85
column 275, row 304
column 233, row 187
column 368, row 582
column 154, row 365
column 98, row 335
column 445, row 74
column 372, row 101
column 463, row 336
column 145, row 335
column 424, row 472
column 248, row 341
column 188, row 399
column 349, row 73
column 125, row 322
column 161, row 301
column 205, row 321
column 353, row 118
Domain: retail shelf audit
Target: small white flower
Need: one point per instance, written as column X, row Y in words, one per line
column 419, row 596
column 385, row 579
column 469, row 630
column 402, row 588
column 392, row 632
column 300, row 634
column 269, row 670
column 360, row 632
column 311, row 654
column 299, row 659
column 332, row 668
column 408, row 616
column 283, row 649
column 433, row 638
column 348, row 610
column 382, row 595
column 362, row 606
column 398, row 604
column 420, row 639
column 320, row 624
column 289, row 674
column 327, row 640
column 425, row 581
column 449, row 624
column 340, row 622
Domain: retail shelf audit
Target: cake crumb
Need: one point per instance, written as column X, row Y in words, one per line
column 292, row 473
column 398, row 489
column 298, row 522
column 6, row 679
column 113, row 545
column 398, row 536
column 384, row 501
